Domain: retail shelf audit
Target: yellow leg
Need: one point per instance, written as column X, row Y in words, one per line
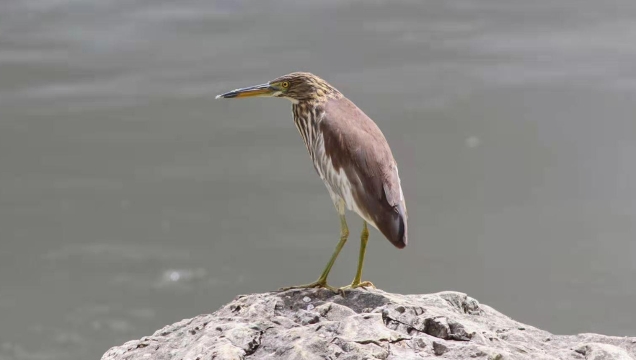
column 322, row 280
column 364, row 238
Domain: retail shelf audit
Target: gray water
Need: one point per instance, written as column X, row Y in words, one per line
column 130, row 199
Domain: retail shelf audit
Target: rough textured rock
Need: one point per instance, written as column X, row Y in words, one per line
column 366, row 324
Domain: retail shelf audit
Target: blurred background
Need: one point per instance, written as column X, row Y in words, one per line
column 131, row 199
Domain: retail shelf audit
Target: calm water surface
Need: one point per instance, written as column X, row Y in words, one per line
column 130, row 199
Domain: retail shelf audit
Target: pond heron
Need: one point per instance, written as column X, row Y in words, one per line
column 351, row 156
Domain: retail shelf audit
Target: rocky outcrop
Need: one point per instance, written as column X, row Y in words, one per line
column 365, row 324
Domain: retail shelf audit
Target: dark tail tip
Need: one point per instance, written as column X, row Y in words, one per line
column 401, row 239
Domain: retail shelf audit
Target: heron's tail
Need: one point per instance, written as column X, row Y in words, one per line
column 394, row 227
column 401, row 237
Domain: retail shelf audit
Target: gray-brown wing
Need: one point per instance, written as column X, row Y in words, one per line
column 356, row 144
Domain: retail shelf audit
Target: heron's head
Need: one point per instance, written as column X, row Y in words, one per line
column 297, row 87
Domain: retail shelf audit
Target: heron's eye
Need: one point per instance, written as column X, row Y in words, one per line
column 285, row 84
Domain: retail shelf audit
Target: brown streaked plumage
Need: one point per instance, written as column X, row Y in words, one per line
column 349, row 153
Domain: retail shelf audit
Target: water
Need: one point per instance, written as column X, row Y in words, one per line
column 130, row 199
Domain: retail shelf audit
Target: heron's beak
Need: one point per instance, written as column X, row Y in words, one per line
column 265, row 90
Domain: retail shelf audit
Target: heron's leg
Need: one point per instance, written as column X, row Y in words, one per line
column 344, row 234
column 322, row 280
column 364, row 238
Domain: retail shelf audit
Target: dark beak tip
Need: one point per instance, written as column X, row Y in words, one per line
column 227, row 95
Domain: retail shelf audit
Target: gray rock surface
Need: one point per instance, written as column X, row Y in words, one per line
column 365, row 324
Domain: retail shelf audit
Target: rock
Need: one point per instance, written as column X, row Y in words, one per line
column 365, row 324
column 305, row 317
column 437, row 327
column 439, row 348
column 598, row 351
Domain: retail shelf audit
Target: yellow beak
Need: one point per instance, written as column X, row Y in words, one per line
column 251, row 91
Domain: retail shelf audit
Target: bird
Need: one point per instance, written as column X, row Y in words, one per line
column 352, row 157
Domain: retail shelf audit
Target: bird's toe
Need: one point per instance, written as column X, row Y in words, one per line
column 314, row 285
column 366, row 284
column 362, row 285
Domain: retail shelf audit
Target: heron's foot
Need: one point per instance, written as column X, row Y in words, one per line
column 354, row 285
column 318, row 284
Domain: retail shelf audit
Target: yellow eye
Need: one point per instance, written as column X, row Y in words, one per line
column 285, row 84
